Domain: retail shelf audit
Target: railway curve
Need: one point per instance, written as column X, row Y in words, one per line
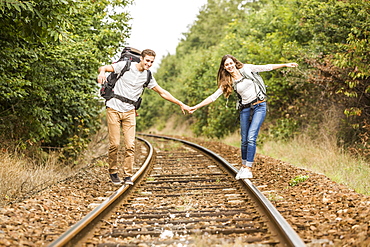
column 231, row 211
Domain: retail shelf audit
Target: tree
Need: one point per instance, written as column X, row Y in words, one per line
column 50, row 54
column 343, row 62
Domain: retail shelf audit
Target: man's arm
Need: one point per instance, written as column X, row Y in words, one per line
column 101, row 76
column 167, row 96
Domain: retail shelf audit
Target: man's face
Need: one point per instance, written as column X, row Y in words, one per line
column 147, row 62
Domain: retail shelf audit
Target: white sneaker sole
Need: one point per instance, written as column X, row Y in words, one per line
column 246, row 174
column 237, row 177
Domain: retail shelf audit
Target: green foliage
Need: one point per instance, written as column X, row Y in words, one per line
column 190, row 74
column 342, row 67
column 268, row 35
column 298, row 179
column 255, row 33
column 49, row 58
column 284, row 128
column 328, row 39
column 329, row 22
column 52, row 49
column 210, row 25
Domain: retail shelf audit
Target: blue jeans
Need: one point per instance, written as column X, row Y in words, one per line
column 249, row 130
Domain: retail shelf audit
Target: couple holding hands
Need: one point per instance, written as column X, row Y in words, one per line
column 232, row 76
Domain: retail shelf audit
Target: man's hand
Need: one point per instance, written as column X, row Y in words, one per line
column 185, row 108
column 101, row 78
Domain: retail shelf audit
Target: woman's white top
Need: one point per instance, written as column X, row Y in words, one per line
column 245, row 87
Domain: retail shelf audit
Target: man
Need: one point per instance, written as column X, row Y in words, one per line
column 122, row 114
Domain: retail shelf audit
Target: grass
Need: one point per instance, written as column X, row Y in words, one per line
column 20, row 175
column 320, row 154
column 322, row 157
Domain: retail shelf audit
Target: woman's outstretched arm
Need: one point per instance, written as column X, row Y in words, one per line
column 207, row 101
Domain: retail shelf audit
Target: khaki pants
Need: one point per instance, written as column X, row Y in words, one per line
column 126, row 120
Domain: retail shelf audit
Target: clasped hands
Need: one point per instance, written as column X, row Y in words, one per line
column 188, row 108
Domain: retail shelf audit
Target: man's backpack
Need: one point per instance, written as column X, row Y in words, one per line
column 107, row 90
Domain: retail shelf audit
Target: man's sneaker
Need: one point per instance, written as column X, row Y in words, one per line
column 239, row 172
column 245, row 173
column 115, row 179
column 128, row 180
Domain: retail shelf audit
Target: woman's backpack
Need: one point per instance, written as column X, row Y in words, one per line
column 258, row 81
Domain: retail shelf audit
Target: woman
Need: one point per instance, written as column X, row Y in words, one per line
column 234, row 75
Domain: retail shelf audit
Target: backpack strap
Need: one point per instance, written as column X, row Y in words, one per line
column 149, row 77
column 257, row 80
column 126, row 100
column 245, row 75
column 126, row 68
column 256, row 83
column 259, row 85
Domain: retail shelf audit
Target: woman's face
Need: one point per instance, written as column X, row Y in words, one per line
column 229, row 65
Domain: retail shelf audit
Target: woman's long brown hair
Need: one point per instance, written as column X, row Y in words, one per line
column 224, row 79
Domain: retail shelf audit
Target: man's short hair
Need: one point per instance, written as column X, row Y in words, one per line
column 147, row 52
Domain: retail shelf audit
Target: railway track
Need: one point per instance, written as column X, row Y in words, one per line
column 184, row 195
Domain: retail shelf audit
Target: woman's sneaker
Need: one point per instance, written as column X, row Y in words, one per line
column 239, row 172
column 245, row 173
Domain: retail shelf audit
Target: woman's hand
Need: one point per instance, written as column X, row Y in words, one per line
column 192, row 109
column 291, row 65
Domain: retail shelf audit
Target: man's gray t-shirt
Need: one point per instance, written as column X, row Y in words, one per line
column 130, row 86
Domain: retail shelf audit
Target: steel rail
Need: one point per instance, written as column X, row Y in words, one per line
column 76, row 232
column 286, row 233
